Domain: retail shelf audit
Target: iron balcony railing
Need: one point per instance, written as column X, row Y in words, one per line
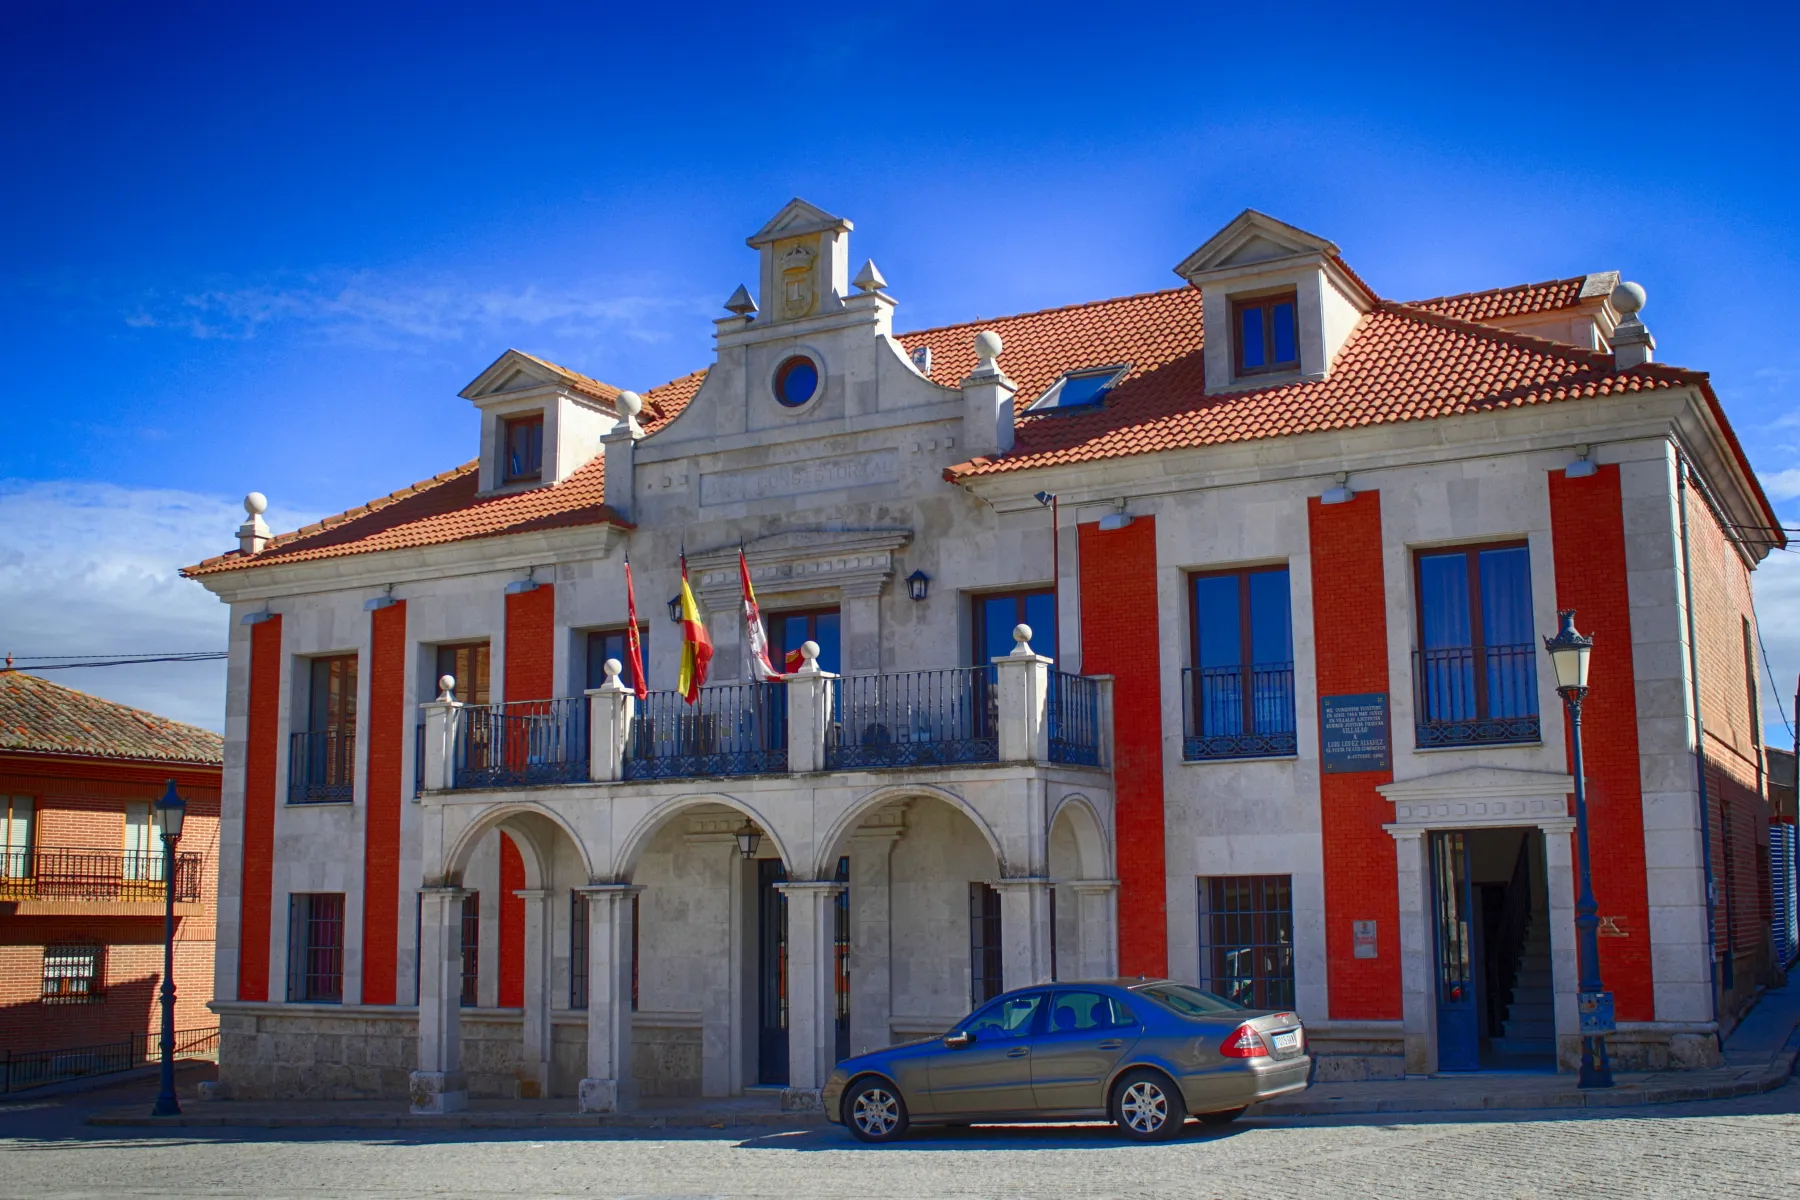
column 522, row 744
column 84, row 874
column 418, row 759
column 914, row 718
column 1237, row 711
column 733, row 729
column 1476, row 695
column 1074, row 715
column 322, row 767
column 20, row 1069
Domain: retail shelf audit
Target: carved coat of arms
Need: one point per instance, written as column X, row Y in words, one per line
column 798, row 292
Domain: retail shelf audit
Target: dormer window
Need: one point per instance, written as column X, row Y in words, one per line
column 1267, row 338
column 1080, row 389
column 522, row 449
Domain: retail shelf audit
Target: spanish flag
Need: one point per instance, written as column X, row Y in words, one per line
column 696, row 647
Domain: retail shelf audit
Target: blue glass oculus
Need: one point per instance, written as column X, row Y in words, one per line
column 796, row 381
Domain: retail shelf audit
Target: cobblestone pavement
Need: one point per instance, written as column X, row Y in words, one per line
column 1745, row 1147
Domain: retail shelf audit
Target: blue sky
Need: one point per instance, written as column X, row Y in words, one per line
column 263, row 246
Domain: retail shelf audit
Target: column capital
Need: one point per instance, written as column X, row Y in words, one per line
column 448, row 892
column 534, row 893
column 1027, row 881
column 830, row 887
column 1405, row 833
column 1096, row 886
column 595, row 891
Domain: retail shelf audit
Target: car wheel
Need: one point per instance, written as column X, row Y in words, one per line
column 873, row 1110
column 1221, row 1118
column 1147, row 1108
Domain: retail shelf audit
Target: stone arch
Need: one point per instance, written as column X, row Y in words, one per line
column 832, row 845
column 532, row 827
column 631, row 847
column 1093, row 848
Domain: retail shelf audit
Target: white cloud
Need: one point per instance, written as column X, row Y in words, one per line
column 91, row 568
column 368, row 309
column 1777, row 590
column 1781, row 485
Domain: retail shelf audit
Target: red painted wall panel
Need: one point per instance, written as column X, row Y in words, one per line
column 386, row 792
column 1361, row 877
column 258, row 880
column 1118, row 604
column 1587, row 529
column 512, row 926
column 531, row 645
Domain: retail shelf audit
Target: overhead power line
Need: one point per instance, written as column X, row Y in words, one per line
column 63, row 662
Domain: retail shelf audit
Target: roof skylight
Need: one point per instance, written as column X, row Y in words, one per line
column 1080, row 389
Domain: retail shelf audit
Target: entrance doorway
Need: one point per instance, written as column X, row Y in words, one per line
column 1491, row 932
column 771, row 974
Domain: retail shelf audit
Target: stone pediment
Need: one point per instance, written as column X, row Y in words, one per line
column 859, row 562
column 1252, row 238
column 1476, row 796
column 796, row 219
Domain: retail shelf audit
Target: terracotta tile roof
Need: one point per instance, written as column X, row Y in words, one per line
column 1400, row 364
column 1499, row 303
column 575, row 379
column 41, row 717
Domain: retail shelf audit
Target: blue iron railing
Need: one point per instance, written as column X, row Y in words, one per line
column 418, row 759
column 322, row 767
column 1074, row 714
column 521, row 744
column 1476, row 695
column 1237, row 711
column 913, row 718
column 733, row 729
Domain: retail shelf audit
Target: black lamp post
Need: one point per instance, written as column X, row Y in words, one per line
column 170, row 810
column 1569, row 655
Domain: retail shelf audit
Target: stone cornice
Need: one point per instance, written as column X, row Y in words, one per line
column 858, row 562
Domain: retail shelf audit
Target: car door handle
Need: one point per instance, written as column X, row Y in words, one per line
column 1112, row 1044
column 1018, row 1052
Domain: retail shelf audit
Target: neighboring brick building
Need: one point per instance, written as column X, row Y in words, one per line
column 81, row 867
column 1300, row 744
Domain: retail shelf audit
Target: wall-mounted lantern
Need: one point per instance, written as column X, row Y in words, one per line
column 918, row 584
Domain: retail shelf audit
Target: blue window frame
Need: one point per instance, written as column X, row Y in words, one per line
column 1238, row 701
column 603, row 644
column 523, row 455
column 1475, row 672
column 1078, row 389
column 788, row 631
column 1267, row 336
column 996, row 615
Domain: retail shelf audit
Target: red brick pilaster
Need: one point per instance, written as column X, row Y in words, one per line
column 1587, row 528
column 531, row 645
column 512, row 926
column 1361, row 876
column 1119, row 637
column 257, row 877
column 386, row 790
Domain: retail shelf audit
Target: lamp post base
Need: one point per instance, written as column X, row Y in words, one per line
column 1596, row 1068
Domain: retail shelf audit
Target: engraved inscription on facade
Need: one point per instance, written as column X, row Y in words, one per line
column 799, row 478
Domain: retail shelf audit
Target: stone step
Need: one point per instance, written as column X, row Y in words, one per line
column 1530, row 1010
column 1530, row 1029
column 1523, row 1047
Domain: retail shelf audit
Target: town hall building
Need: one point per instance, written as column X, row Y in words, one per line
column 1195, row 633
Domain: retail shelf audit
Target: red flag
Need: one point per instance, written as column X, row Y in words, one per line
column 755, row 636
column 634, row 648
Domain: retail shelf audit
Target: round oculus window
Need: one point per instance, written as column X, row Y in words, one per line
column 796, row 381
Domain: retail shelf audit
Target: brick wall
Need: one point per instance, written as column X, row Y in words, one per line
column 512, row 926
column 1587, row 524
column 1118, row 638
column 385, row 793
column 258, row 879
column 531, row 644
column 1361, row 876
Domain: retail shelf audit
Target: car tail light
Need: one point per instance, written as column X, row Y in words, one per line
column 1244, row 1042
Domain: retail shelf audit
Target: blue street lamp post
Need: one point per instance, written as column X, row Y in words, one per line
column 1569, row 655
column 170, row 810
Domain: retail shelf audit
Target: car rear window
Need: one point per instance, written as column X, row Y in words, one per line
column 1189, row 1002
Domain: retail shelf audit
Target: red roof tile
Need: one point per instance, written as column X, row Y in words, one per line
column 1499, row 303
column 41, row 717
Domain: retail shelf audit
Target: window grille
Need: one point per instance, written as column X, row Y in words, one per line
column 1247, row 939
column 985, row 957
column 71, row 973
column 316, row 947
column 840, row 951
column 471, row 947
column 578, row 949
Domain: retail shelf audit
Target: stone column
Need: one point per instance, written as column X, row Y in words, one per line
column 608, row 1086
column 1413, row 943
column 871, row 937
column 1565, row 974
column 1096, row 929
column 809, row 709
column 1025, row 930
column 713, row 842
column 1023, row 710
column 860, row 605
column 811, row 991
column 535, row 1061
column 438, row 1085
column 441, row 718
column 612, row 707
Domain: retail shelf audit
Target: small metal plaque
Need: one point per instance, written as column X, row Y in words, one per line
column 1353, row 733
column 1596, row 1012
column 1363, row 939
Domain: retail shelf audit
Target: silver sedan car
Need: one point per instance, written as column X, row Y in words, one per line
column 1143, row 1053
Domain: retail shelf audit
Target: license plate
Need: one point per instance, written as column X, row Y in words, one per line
column 1288, row 1041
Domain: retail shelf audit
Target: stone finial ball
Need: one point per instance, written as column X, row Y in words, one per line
column 809, row 650
column 446, row 683
column 988, row 344
column 256, row 504
column 612, row 667
column 1021, row 634
column 1628, row 298
column 630, row 403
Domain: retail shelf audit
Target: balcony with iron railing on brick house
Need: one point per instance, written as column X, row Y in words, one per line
column 75, row 875
column 1238, row 712
column 811, row 721
column 1476, row 695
